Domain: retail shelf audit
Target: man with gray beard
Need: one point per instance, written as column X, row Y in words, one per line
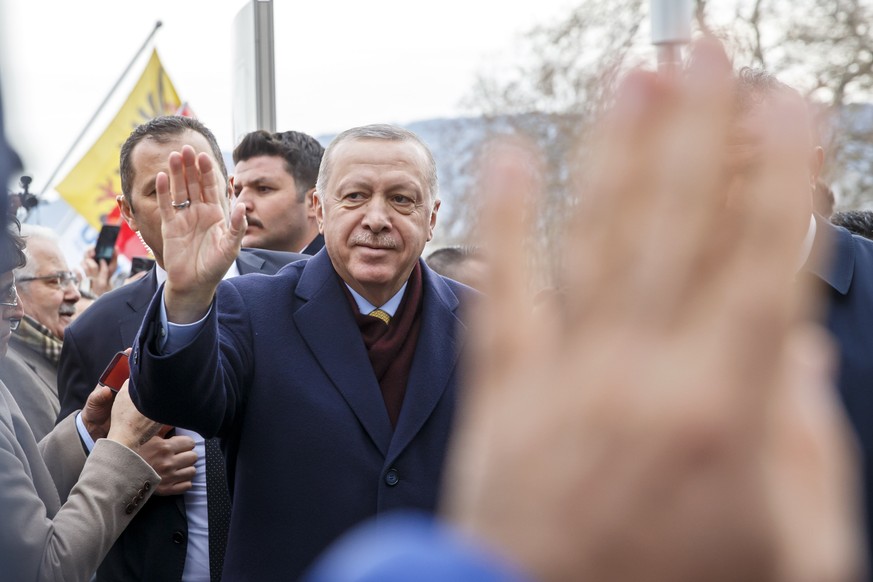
column 49, row 293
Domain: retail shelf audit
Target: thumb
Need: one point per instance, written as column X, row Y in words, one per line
column 100, row 398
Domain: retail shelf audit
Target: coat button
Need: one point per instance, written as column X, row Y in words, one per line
column 129, row 509
column 178, row 537
column 146, row 486
column 391, row 478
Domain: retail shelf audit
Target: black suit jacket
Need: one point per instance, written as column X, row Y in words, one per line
column 154, row 545
column 316, row 245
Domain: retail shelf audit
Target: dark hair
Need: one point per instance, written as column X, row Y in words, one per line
column 446, row 260
column 163, row 129
column 754, row 86
column 856, row 221
column 302, row 154
column 11, row 246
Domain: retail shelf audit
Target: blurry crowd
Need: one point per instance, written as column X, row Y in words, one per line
column 306, row 393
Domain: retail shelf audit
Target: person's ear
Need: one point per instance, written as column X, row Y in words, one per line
column 318, row 208
column 309, row 200
column 433, row 219
column 126, row 211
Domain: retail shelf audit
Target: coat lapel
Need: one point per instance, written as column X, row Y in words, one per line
column 138, row 301
column 328, row 327
column 436, row 357
column 248, row 262
column 141, row 294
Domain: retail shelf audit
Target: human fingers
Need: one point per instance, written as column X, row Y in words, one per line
column 814, row 480
column 97, row 412
column 169, row 454
column 101, row 281
column 89, row 266
column 600, row 241
column 178, row 180
column 684, row 229
column 176, row 483
column 100, row 397
column 193, row 176
column 113, row 262
column 757, row 289
column 165, row 197
column 211, row 188
column 501, row 351
column 504, row 324
column 180, row 444
column 173, row 460
column 238, row 225
column 129, row 426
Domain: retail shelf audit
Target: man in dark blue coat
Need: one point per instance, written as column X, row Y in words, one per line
column 333, row 383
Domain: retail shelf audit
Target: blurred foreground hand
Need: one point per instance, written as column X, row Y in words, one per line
column 673, row 418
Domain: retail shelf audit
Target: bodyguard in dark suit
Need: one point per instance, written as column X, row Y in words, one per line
column 176, row 536
column 274, row 179
column 333, row 383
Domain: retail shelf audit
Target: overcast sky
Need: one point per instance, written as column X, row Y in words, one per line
column 339, row 63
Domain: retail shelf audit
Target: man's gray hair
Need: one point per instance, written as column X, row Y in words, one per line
column 383, row 132
column 30, row 232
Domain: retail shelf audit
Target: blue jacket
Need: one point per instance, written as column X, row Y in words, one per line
column 154, row 545
column 406, row 547
column 279, row 371
column 844, row 262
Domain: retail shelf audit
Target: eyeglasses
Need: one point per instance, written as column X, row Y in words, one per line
column 10, row 299
column 57, row 280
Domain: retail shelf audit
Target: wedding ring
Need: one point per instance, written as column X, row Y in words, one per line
column 181, row 205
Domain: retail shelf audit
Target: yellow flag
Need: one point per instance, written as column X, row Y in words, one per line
column 92, row 185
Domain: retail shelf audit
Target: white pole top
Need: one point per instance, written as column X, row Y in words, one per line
column 671, row 21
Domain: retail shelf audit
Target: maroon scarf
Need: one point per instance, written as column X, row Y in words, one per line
column 391, row 347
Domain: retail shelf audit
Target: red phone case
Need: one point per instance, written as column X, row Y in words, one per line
column 116, row 372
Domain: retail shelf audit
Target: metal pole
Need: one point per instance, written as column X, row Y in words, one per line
column 78, row 139
column 671, row 28
column 265, row 71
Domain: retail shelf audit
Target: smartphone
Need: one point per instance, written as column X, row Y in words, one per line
column 116, row 372
column 140, row 264
column 106, row 242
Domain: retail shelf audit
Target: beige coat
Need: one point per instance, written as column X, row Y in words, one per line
column 42, row 540
column 32, row 380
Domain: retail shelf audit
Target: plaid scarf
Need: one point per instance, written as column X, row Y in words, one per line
column 38, row 338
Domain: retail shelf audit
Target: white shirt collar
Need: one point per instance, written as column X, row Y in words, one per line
column 161, row 274
column 806, row 247
column 390, row 307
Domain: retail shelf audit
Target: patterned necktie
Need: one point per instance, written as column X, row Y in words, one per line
column 379, row 314
column 217, row 507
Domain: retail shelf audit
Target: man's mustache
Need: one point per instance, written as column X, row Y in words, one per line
column 67, row 309
column 254, row 221
column 379, row 241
